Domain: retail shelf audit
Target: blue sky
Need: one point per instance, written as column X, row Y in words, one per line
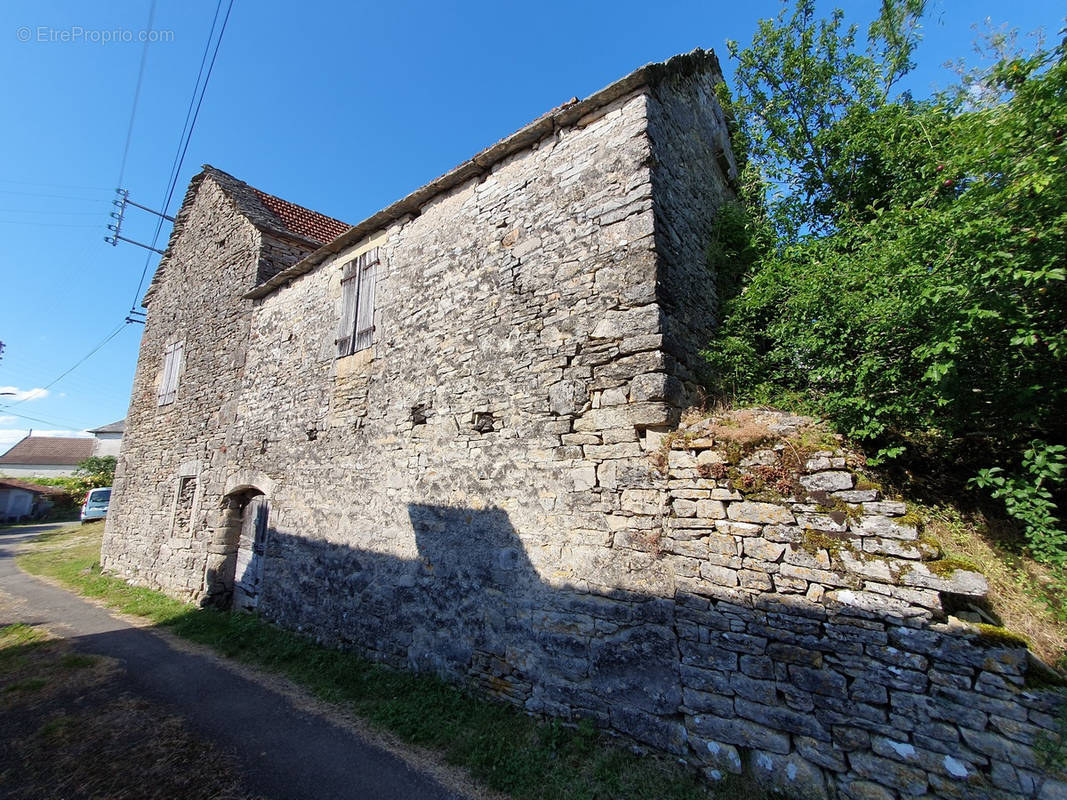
column 342, row 107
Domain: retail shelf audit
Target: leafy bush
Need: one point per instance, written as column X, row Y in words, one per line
column 924, row 298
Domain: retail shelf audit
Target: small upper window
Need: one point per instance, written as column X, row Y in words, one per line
column 357, row 304
column 172, row 363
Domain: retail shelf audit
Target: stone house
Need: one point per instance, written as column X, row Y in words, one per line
column 441, row 436
column 558, row 273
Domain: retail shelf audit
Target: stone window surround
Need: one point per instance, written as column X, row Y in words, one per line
column 188, row 471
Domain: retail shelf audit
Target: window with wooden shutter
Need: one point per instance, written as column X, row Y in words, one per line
column 172, row 362
column 356, row 331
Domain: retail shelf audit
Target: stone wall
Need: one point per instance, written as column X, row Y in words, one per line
column 156, row 522
column 693, row 171
column 816, row 647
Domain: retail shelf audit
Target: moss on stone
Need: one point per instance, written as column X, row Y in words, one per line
column 911, row 520
column 812, row 541
column 944, row 567
column 734, row 452
column 928, row 544
column 766, row 494
column 899, row 570
column 995, row 636
column 864, row 483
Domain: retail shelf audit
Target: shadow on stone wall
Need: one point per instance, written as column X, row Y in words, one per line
column 472, row 606
column 795, row 685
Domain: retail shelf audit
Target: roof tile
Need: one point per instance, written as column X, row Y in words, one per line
column 58, row 450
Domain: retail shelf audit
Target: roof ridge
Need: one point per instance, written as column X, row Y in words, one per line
column 49, row 450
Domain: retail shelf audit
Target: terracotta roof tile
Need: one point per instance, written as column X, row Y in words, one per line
column 303, row 221
column 59, row 450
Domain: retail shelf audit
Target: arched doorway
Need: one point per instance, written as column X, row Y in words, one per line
column 248, row 566
column 234, row 572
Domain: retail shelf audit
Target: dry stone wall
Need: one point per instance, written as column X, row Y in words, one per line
column 498, row 490
column 815, row 647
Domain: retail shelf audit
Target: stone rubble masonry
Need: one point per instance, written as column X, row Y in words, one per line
column 497, row 490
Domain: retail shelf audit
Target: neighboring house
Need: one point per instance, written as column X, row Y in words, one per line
column 108, row 438
column 59, row 456
column 46, row 456
column 20, row 500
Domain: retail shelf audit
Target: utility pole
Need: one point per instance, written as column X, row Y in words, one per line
column 119, row 216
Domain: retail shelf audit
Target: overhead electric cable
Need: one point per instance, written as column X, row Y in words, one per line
column 191, row 116
column 45, row 421
column 136, row 94
column 50, row 211
column 45, row 224
column 78, row 363
column 54, row 196
column 54, row 185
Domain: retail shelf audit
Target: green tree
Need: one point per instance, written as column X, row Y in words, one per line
column 96, row 471
column 914, row 290
column 796, row 81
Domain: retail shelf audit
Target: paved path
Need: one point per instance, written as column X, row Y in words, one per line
column 285, row 752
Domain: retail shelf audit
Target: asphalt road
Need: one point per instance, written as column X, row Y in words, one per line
column 285, row 752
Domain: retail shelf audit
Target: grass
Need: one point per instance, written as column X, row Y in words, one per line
column 499, row 745
column 71, row 730
column 1027, row 598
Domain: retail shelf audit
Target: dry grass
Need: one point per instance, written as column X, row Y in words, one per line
column 745, row 427
column 70, row 731
column 1024, row 596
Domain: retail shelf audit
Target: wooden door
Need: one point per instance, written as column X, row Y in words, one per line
column 249, row 572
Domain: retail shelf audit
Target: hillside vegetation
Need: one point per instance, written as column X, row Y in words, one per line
column 898, row 265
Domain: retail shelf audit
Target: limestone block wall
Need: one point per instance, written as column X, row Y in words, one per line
column 505, row 310
column 693, row 170
column 816, row 646
column 167, row 479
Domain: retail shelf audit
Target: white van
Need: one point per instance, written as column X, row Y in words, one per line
column 96, row 503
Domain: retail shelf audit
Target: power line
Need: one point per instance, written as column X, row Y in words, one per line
column 39, row 419
column 136, row 94
column 78, row 363
column 50, row 212
column 53, row 185
column 54, row 196
column 191, row 116
column 45, row 224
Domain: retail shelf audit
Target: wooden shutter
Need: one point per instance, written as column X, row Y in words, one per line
column 349, row 291
column 356, row 328
column 365, row 307
column 168, row 386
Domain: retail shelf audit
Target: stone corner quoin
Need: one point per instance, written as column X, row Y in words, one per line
column 448, row 437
